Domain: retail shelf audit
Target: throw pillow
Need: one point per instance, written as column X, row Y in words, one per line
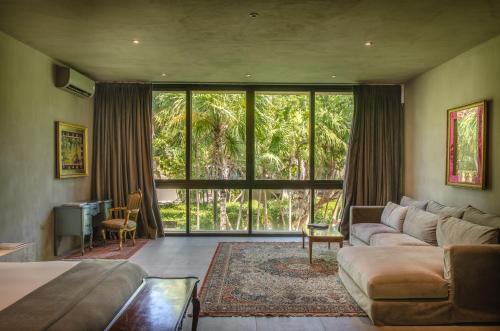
column 393, row 215
column 421, row 225
column 454, row 231
column 444, row 211
column 476, row 216
column 407, row 202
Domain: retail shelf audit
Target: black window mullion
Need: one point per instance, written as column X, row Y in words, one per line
column 188, row 156
column 250, row 150
column 312, row 132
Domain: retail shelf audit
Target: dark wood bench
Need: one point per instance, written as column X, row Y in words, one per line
column 159, row 304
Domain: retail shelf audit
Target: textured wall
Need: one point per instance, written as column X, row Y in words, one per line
column 471, row 76
column 29, row 106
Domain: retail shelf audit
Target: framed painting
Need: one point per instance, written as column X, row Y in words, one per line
column 466, row 146
column 71, row 150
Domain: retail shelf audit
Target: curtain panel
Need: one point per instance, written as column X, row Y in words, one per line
column 374, row 166
column 122, row 155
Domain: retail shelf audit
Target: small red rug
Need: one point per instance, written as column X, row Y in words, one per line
column 111, row 251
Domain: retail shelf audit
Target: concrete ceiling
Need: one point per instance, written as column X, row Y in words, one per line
column 294, row 41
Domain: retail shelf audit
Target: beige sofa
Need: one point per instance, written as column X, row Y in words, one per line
column 422, row 263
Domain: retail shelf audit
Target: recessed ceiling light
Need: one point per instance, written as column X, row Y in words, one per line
column 334, row 76
column 368, row 43
column 253, row 14
column 163, row 74
column 248, row 75
column 135, row 41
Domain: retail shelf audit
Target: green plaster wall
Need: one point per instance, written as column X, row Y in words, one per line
column 29, row 106
column 471, row 76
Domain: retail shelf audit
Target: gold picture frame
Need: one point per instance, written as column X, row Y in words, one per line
column 71, row 150
column 466, row 146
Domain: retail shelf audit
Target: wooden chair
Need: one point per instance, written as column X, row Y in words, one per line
column 128, row 223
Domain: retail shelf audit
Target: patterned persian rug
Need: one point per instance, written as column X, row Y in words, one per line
column 111, row 251
column 274, row 279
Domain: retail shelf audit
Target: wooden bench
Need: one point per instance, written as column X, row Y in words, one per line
column 159, row 304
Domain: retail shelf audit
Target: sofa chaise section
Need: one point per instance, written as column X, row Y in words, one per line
column 424, row 285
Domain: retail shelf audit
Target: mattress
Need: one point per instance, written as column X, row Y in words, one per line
column 17, row 279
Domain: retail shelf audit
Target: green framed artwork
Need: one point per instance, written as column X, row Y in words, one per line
column 71, row 150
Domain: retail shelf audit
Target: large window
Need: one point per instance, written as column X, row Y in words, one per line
column 252, row 159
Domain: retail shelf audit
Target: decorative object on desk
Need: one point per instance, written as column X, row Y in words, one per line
column 317, row 226
column 71, row 150
column 466, row 146
column 110, row 251
column 274, row 279
column 127, row 222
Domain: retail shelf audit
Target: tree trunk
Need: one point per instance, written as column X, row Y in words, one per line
column 282, row 214
column 266, row 215
column 240, row 211
column 214, row 206
column 257, row 223
column 198, row 209
column 224, row 220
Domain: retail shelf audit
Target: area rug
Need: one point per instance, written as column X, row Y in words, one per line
column 274, row 279
column 111, row 251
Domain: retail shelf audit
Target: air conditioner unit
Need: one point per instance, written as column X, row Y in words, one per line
column 74, row 82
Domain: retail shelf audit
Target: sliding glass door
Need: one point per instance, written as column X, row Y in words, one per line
column 249, row 159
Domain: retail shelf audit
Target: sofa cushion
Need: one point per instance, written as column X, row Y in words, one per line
column 393, row 216
column 395, row 239
column 363, row 231
column 410, row 272
column 476, row 216
column 454, row 231
column 407, row 202
column 444, row 211
column 421, row 225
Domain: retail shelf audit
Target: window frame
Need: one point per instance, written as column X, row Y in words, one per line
column 249, row 183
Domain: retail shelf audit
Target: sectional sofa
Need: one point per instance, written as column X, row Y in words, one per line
column 423, row 263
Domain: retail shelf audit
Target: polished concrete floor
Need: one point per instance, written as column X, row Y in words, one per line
column 190, row 256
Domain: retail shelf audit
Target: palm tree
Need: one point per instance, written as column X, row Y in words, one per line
column 218, row 131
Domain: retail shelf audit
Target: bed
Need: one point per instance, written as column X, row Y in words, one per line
column 65, row 295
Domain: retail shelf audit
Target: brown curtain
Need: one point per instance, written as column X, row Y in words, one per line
column 375, row 158
column 122, row 153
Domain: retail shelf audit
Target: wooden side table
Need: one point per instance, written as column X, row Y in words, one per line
column 328, row 235
column 159, row 304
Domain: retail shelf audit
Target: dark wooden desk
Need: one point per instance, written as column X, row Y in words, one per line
column 159, row 304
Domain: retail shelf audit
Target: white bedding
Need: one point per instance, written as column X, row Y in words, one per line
column 17, row 279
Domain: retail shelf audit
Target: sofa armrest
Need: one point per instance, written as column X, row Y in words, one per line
column 473, row 272
column 365, row 214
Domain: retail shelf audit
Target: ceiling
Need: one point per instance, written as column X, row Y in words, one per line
column 293, row 41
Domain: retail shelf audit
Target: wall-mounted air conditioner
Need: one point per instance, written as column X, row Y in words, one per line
column 74, row 82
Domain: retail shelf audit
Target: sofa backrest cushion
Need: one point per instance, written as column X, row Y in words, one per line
column 444, row 211
column 421, row 225
column 455, row 231
column 394, row 216
column 407, row 202
column 476, row 216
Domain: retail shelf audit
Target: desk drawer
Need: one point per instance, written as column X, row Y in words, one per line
column 93, row 208
column 87, row 222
